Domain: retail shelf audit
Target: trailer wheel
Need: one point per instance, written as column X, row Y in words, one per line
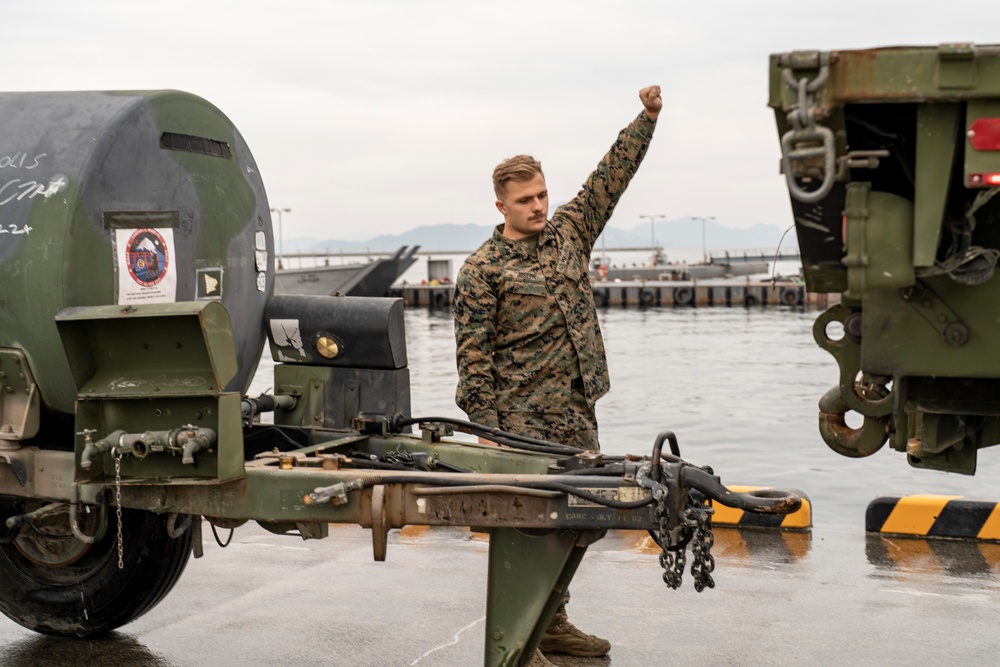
column 57, row 585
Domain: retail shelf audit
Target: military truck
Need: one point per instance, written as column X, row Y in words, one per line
column 136, row 297
column 892, row 162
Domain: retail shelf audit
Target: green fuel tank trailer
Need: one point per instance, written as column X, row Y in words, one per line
column 136, row 276
column 120, row 198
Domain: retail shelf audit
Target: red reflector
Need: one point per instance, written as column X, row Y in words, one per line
column 984, row 134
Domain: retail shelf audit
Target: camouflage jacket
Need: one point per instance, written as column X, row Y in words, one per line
column 525, row 321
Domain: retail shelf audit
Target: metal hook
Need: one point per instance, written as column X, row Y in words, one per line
column 841, row 438
column 760, row 501
column 102, row 525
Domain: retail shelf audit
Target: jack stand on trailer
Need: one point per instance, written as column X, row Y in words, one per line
column 528, row 579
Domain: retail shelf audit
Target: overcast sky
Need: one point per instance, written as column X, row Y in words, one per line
column 379, row 116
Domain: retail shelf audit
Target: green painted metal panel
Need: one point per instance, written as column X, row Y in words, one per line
column 528, row 577
column 937, row 128
column 150, row 349
column 927, row 73
column 879, row 240
column 898, row 340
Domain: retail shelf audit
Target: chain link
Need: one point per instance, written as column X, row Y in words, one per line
column 697, row 522
column 701, row 549
column 117, row 456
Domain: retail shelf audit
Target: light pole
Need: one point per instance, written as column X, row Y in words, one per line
column 281, row 249
column 704, row 252
column 652, row 228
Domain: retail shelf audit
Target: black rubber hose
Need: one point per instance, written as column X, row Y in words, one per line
column 438, row 463
column 361, row 462
column 603, row 471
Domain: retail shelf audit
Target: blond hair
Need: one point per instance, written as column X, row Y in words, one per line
column 517, row 168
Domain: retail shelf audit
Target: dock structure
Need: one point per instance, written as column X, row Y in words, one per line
column 747, row 255
column 653, row 294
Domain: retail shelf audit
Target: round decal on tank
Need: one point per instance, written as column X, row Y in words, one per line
column 147, row 257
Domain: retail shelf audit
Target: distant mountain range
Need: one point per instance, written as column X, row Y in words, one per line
column 679, row 233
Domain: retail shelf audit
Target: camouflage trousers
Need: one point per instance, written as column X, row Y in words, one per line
column 577, row 426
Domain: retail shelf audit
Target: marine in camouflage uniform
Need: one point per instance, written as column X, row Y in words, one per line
column 530, row 354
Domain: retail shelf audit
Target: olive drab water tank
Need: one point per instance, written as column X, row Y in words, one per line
column 124, row 198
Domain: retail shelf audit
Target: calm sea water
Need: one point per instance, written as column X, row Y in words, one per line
column 738, row 386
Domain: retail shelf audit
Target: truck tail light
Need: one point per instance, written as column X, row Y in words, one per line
column 983, row 180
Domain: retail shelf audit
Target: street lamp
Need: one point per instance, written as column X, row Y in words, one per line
column 652, row 229
column 704, row 252
column 281, row 250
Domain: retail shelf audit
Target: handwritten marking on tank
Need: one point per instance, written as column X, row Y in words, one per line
column 20, row 160
column 125, row 383
column 16, row 190
column 14, row 229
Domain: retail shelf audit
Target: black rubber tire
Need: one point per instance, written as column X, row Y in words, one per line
column 683, row 296
column 441, row 300
column 791, row 296
column 89, row 596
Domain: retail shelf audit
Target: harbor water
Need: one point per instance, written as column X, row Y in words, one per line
column 738, row 386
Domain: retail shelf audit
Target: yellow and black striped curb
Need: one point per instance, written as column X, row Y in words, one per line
column 934, row 516
column 800, row 519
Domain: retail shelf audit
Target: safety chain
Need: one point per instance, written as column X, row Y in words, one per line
column 697, row 521
column 671, row 559
column 117, row 456
column 701, row 545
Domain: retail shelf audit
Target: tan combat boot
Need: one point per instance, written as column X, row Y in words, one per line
column 539, row 660
column 563, row 637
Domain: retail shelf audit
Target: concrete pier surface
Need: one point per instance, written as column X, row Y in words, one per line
column 835, row 596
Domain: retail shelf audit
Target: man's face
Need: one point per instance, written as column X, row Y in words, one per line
column 524, row 206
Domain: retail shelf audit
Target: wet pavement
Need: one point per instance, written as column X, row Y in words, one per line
column 832, row 596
